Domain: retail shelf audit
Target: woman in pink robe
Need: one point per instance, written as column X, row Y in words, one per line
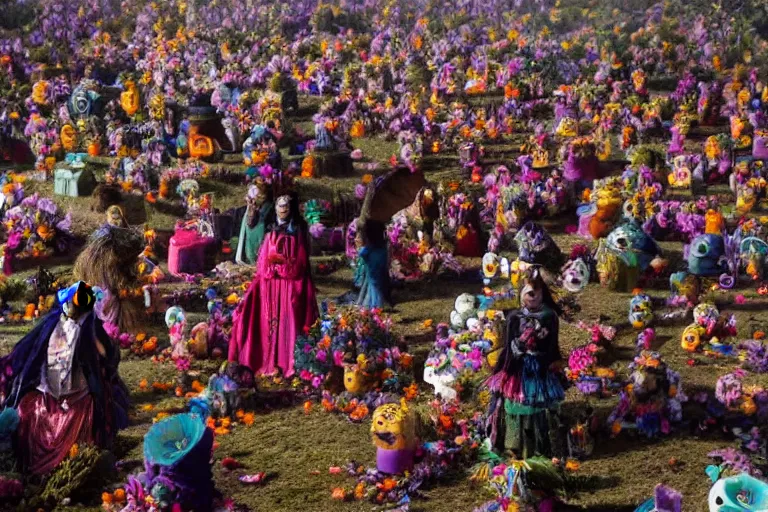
column 280, row 302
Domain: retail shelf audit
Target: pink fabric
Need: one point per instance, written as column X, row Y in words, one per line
column 187, row 252
column 508, row 385
column 47, row 431
column 584, row 221
column 279, row 304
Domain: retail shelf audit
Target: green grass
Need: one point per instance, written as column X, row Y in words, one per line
column 296, row 449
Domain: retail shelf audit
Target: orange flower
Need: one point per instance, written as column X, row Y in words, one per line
column 366, row 179
column 572, row 465
column 759, row 335
column 406, row 360
column 357, row 130
column 360, row 491
column 445, row 421
column 73, row 451
column 427, row 324
column 197, row 387
column 150, row 345
column 248, row 419
column 387, row 485
column 179, row 391
column 119, row 495
column 307, row 407
column 143, row 384
column 147, row 407
column 160, row 416
column 339, row 494
column 327, row 405
column 106, row 498
column 221, row 431
column 226, row 422
column 210, row 423
column 360, row 412
column 411, row 391
column 141, row 337
column 239, row 414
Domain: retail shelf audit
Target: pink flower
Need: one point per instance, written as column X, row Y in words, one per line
column 571, row 229
column 740, row 299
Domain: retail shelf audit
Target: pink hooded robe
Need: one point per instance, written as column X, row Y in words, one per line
column 279, row 304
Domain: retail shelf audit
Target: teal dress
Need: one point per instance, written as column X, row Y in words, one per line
column 372, row 277
column 251, row 236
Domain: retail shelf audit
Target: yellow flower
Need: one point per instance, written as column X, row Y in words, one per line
column 565, row 45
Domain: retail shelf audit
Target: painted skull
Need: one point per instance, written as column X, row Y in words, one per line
column 640, row 311
column 393, row 427
column 633, row 245
column 705, row 255
column 691, row 338
column 355, row 380
column 705, row 314
column 575, row 275
column 568, row 127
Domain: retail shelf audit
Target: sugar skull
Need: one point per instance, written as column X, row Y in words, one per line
column 640, row 311
column 633, row 244
column 568, row 127
column 736, row 493
column 356, row 381
column 685, row 285
column 680, row 177
column 705, row 255
column 576, row 275
column 692, row 337
column 490, row 266
column 705, row 314
column 393, row 427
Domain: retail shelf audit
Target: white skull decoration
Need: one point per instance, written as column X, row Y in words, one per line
column 441, row 382
column 465, row 308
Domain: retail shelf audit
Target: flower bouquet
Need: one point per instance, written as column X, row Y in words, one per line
column 36, row 229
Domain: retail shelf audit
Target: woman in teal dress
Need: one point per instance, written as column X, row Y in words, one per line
column 372, row 274
column 253, row 227
column 526, row 386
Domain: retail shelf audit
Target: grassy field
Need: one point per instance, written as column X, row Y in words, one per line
column 296, row 448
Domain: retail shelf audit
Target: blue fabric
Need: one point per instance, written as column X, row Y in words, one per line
column 541, row 388
column 110, row 396
column 373, row 278
column 168, row 441
column 189, row 473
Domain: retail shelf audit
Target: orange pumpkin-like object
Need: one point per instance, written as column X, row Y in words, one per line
column 200, row 146
column 68, row 137
column 129, row 99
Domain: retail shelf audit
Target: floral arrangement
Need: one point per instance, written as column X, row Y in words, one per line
column 459, row 355
column 413, row 257
column 652, row 400
column 355, row 336
column 36, row 229
column 456, row 442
